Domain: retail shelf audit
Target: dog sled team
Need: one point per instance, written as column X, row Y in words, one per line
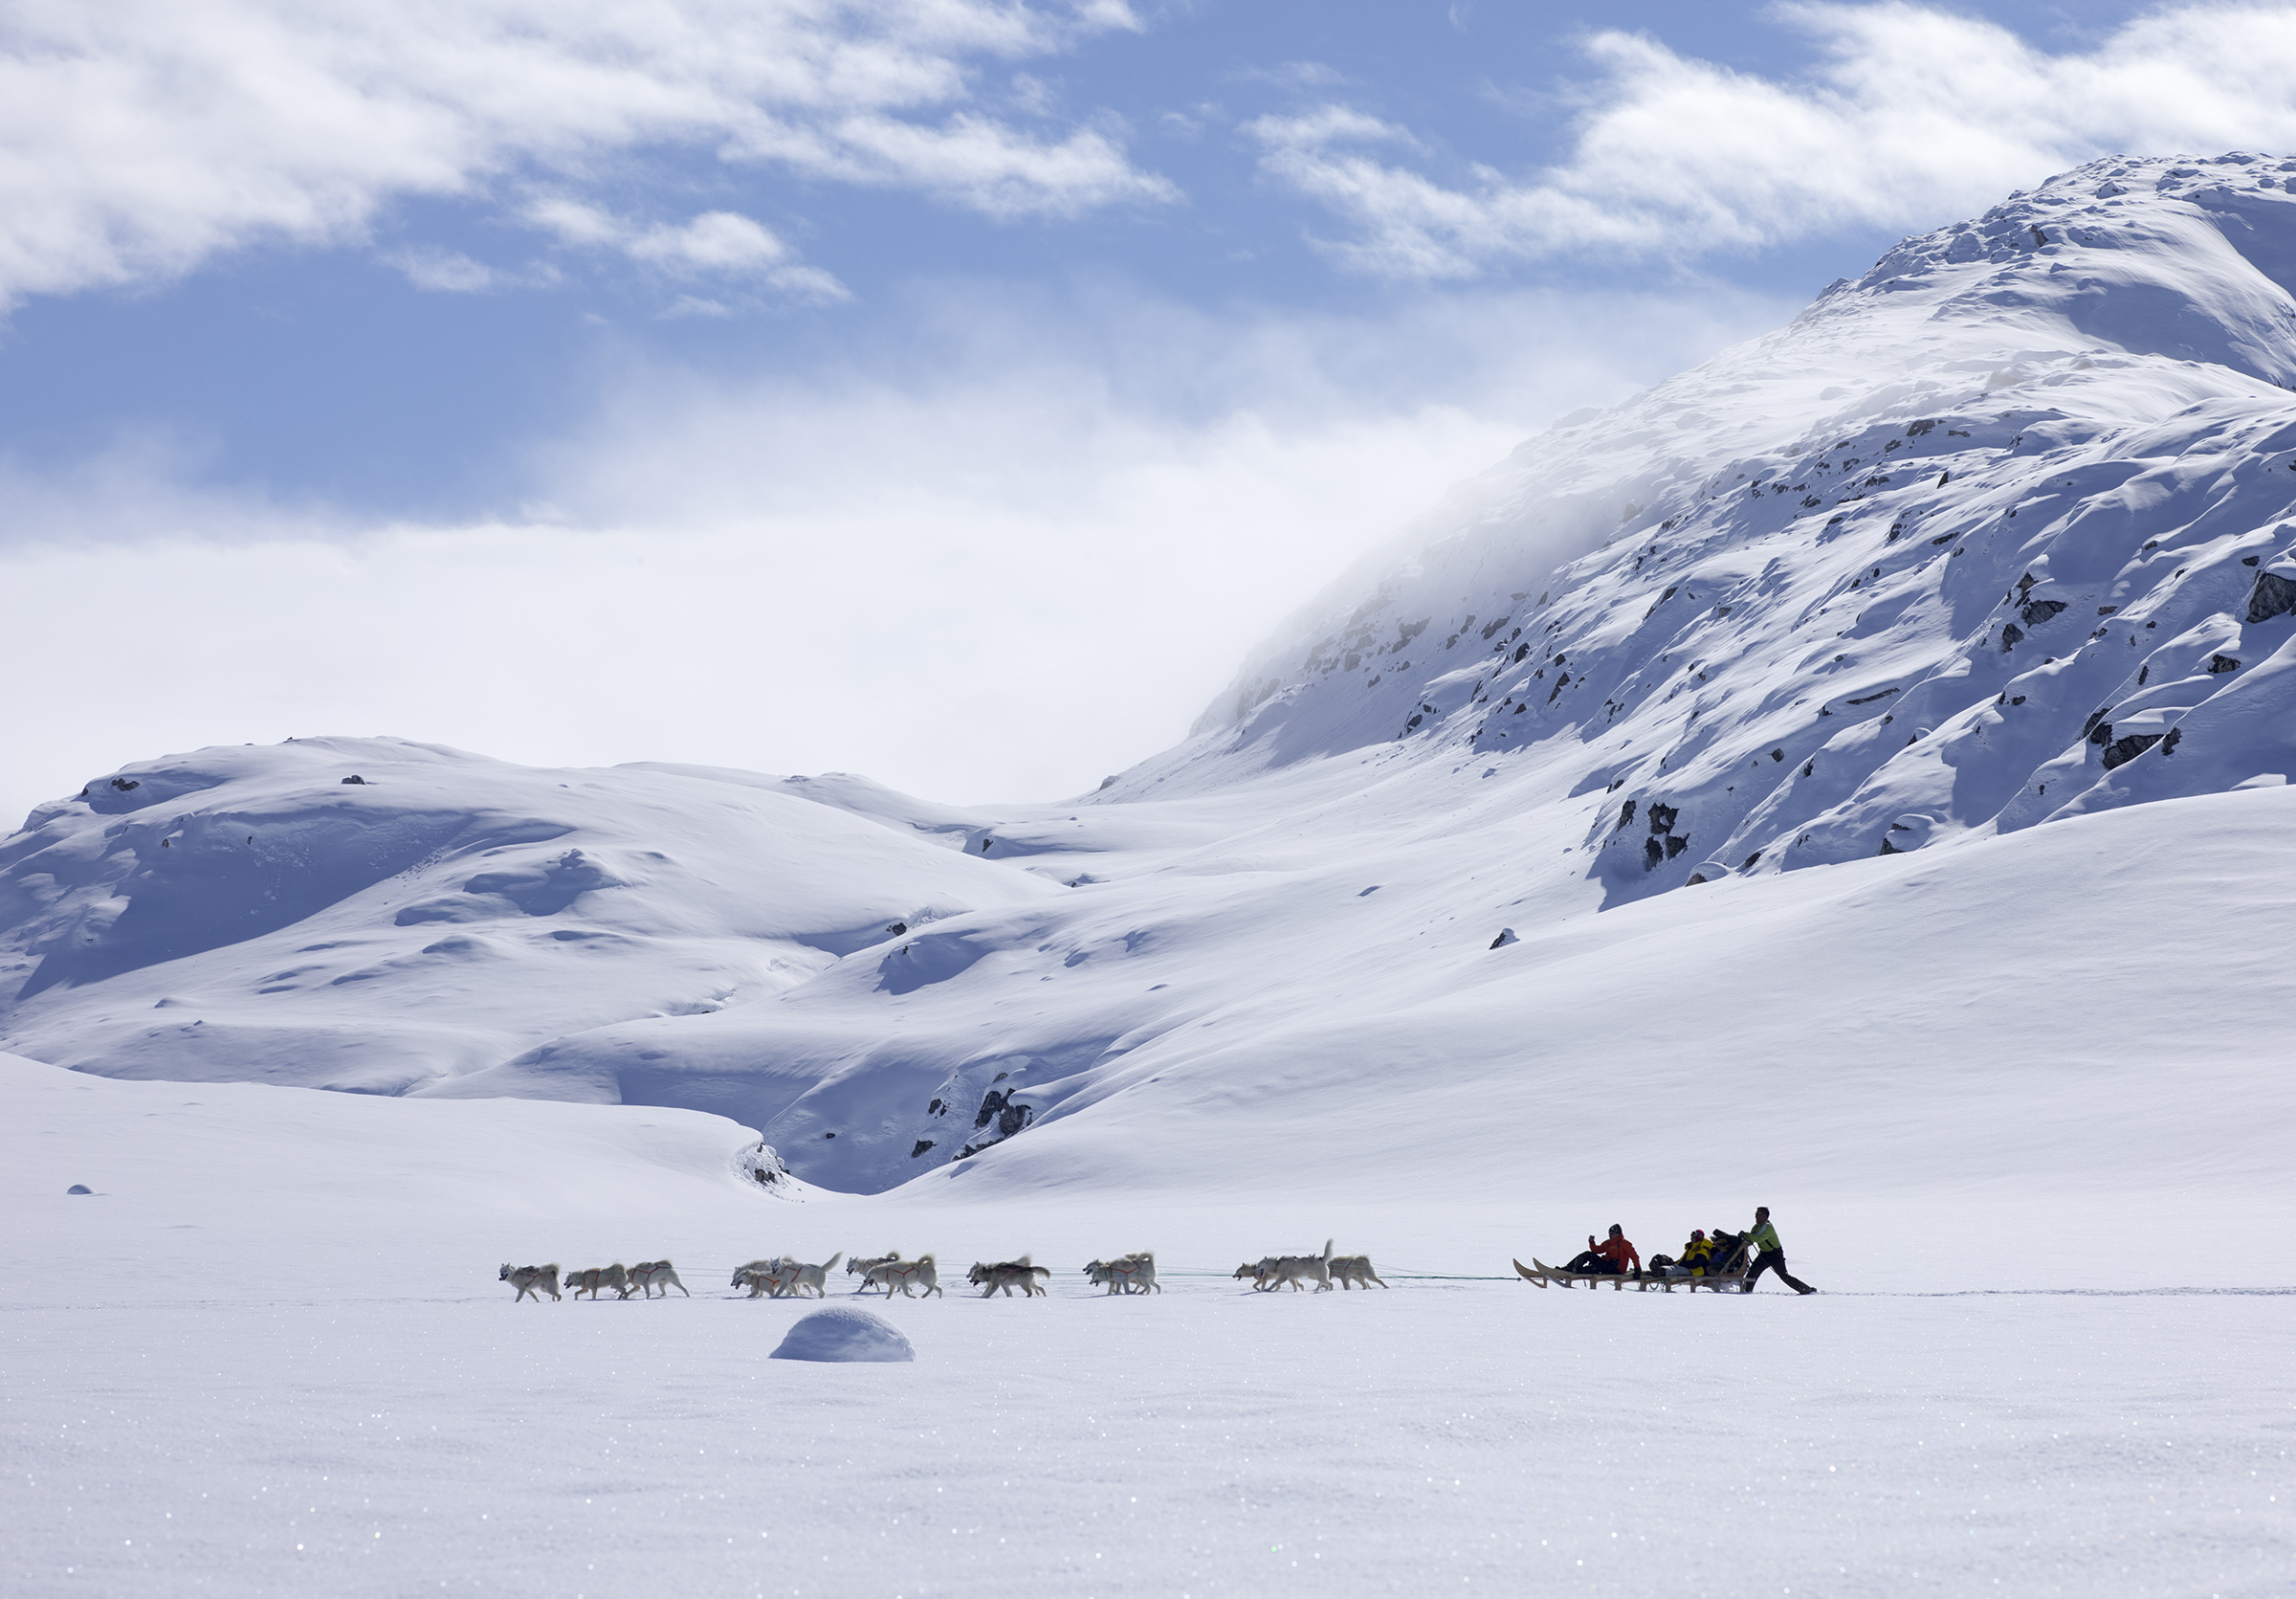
column 644, row 1280
column 1715, row 1262
column 1272, row 1272
column 783, row 1278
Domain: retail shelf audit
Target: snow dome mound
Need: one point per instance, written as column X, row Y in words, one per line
column 844, row 1333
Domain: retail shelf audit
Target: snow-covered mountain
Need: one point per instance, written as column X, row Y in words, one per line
column 1997, row 534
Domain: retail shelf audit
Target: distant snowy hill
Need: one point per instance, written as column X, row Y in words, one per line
column 1999, row 534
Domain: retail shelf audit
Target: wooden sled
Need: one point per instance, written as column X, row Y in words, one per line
column 1543, row 1274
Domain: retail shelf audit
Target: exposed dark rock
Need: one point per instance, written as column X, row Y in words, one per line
column 2168, row 745
column 1506, row 937
column 2010, row 634
column 2039, row 612
column 925, row 1143
column 1889, row 849
column 1808, row 765
column 2250, row 560
column 2219, row 664
column 938, row 1107
column 1653, row 852
column 1696, row 877
column 896, row 928
column 1675, row 846
column 994, row 1102
column 2096, row 719
column 1626, row 814
column 357, row 779
column 1661, row 817
column 1013, row 1118
column 1750, row 861
column 1779, row 754
column 2272, row 597
column 2120, row 751
column 126, row 784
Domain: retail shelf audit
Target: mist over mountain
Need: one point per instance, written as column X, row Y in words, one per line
column 1995, row 535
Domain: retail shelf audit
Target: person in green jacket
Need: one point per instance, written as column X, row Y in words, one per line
column 1773, row 1257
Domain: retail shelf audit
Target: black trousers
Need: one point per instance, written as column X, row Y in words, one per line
column 1775, row 1260
column 1597, row 1264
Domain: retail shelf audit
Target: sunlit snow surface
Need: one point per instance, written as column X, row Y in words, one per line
column 269, row 1356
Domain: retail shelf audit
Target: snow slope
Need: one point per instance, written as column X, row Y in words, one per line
column 1957, row 551
column 1965, row 549
column 253, row 914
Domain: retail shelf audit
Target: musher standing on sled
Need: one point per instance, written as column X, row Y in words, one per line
column 1773, row 1257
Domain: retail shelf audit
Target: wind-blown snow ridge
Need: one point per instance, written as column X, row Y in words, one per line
column 1994, row 534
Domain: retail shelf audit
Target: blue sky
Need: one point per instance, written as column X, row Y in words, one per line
column 965, row 338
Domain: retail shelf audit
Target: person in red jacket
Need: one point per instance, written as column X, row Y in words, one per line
column 1608, row 1258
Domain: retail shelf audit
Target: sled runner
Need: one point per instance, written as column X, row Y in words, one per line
column 1543, row 1274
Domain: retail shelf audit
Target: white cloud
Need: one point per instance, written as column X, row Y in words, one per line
column 1912, row 116
column 143, row 136
column 1025, row 554
column 444, row 271
column 716, row 243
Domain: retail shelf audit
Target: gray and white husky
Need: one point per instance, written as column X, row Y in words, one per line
column 528, row 1279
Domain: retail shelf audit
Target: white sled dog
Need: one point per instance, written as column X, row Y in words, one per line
column 905, row 1274
column 1277, row 1270
column 1007, row 1274
column 649, row 1275
column 874, row 1271
column 615, row 1276
column 780, row 1277
column 1130, row 1273
column 766, row 1277
column 528, row 1279
column 1354, row 1271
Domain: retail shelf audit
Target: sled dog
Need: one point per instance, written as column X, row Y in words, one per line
column 649, row 1275
column 872, row 1269
column 778, row 1276
column 1258, row 1271
column 1129, row 1274
column 615, row 1276
column 1006, row 1274
column 1354, row 1271
column 905, row 1274
column 1296, row 1269
column 758, row 1277
column 528, row 1279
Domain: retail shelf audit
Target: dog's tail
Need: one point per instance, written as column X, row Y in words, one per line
column 1022, row 1261
column 832, row 1260
column 1327, row 1249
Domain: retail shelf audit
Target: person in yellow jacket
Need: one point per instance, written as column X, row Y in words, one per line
column 1698, row 1254
column 1771, row 1256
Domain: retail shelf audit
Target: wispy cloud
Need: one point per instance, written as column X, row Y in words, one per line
column 144, row 136
column 1912, row 116
column 718, row 243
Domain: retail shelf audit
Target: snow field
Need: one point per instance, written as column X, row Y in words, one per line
column 269, row 1355
column 1438, row 1438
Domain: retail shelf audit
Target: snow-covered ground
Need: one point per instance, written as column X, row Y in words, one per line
column 268, row 1355
column 1851, row 778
